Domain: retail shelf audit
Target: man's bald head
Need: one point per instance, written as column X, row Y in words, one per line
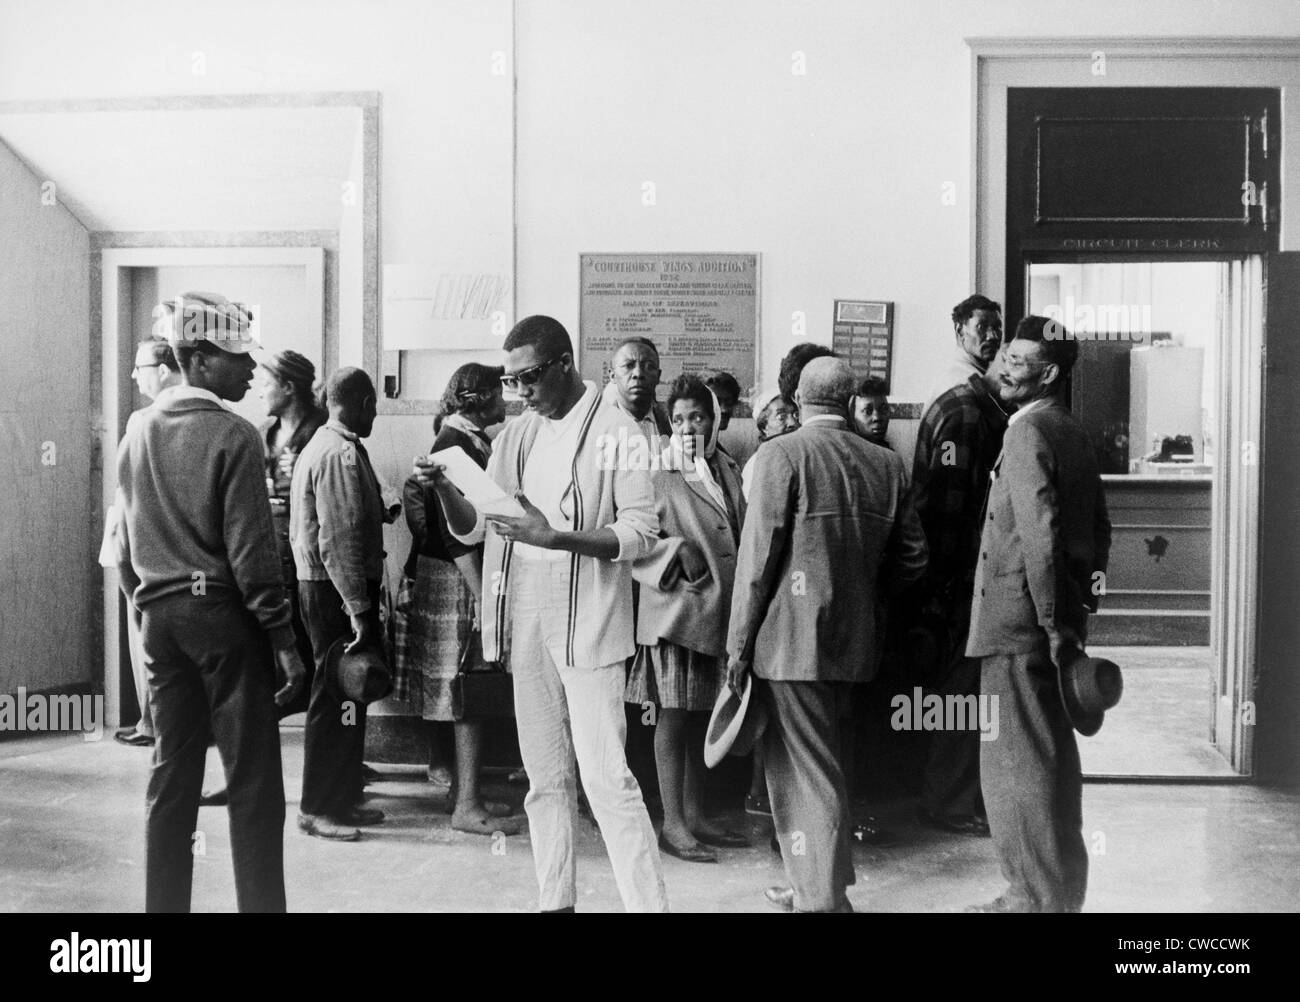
column 826, row 383
column 350, row 398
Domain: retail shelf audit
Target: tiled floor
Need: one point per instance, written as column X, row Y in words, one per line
column 71, row 839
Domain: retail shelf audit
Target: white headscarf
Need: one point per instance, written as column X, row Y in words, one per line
column 675, row 455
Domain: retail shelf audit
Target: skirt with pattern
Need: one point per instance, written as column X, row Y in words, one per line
column 435, row 618
column 673, row 677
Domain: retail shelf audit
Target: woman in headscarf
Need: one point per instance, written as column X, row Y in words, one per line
column 437, row 609
column 685, row 601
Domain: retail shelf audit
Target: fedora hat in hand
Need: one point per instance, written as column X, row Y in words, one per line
column 361, row 676
column 1089, row 687
column 736, row 724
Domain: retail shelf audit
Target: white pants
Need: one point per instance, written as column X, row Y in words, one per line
column 560, row 711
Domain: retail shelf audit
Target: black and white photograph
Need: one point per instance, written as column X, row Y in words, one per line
column 593, row 456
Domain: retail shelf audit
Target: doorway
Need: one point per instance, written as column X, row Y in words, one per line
column 1168, row 387
column 285, row 288
column 1139, row 218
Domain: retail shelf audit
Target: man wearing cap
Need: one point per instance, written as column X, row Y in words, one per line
column 336, row 519
column 1041, row 569
column 155, row 370
column 829, row 530
column 196, row 555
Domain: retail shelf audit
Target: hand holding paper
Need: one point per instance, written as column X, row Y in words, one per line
column 479, row 489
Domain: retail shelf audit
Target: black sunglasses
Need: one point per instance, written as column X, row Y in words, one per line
column 528, row 377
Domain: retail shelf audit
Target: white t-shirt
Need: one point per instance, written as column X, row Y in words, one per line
column 548, row 472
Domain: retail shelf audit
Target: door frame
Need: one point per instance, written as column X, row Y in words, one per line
column 115, row 325
column 998, row 64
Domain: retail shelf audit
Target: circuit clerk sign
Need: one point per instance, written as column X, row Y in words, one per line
column 700, row 310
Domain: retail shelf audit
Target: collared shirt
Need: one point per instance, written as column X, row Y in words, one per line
column 1035, row 405
column 827, row 419
column 960, row 368
column 184, row 391
column 648, row 425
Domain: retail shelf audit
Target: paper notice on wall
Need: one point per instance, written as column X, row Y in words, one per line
column 445, row 308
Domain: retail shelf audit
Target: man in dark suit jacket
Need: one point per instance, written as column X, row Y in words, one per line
column 829, row 529
column 1040, row 572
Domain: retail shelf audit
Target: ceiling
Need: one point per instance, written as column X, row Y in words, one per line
column 194, row 169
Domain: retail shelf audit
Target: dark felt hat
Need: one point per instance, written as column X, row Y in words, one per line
column 361, row 676
column 1089, row 687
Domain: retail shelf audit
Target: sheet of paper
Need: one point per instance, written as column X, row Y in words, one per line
column 481, row 490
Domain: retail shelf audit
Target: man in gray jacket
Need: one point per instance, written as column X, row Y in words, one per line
column 1040, row 572
column 830, row 530
column 336, row 529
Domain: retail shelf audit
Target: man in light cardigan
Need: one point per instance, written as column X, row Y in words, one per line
column 557, row 592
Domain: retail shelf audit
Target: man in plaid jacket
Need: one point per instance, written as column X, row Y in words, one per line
column 956, row 446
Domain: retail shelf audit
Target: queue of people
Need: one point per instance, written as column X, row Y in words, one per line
column 252, row 554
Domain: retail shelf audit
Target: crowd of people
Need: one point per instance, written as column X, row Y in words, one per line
column 253, row 559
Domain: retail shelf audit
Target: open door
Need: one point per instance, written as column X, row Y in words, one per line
column 1234, row 546
column 1274, row 706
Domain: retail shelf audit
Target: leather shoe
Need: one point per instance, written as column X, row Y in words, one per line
column 780, row 898
column 214, row 798
column 726, row 839
column 130, row 736
column 969, row 825
column 361, row 816
column 322, row 827
column 690, row 854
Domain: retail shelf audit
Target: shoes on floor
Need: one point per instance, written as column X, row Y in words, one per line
column 130, row 736
column 361, row 816
column 319, row 826
column 759, row 806
column 214, row 798
column 968, row 825
column 870, row 833
column 725, row 839
column 690, row 854
column 440, row 776
column 780, row 898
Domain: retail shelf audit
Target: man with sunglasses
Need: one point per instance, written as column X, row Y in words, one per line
column 557, row 593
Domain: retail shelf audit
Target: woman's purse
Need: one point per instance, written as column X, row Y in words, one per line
column 480, row 689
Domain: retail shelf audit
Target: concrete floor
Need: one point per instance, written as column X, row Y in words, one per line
column 1161, row 726
column 71, row 840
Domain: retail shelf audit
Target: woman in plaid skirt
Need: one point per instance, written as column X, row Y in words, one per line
column 437, row 614
column 685, row 600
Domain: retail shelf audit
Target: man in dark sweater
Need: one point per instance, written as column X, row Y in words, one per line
column 196, row 555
